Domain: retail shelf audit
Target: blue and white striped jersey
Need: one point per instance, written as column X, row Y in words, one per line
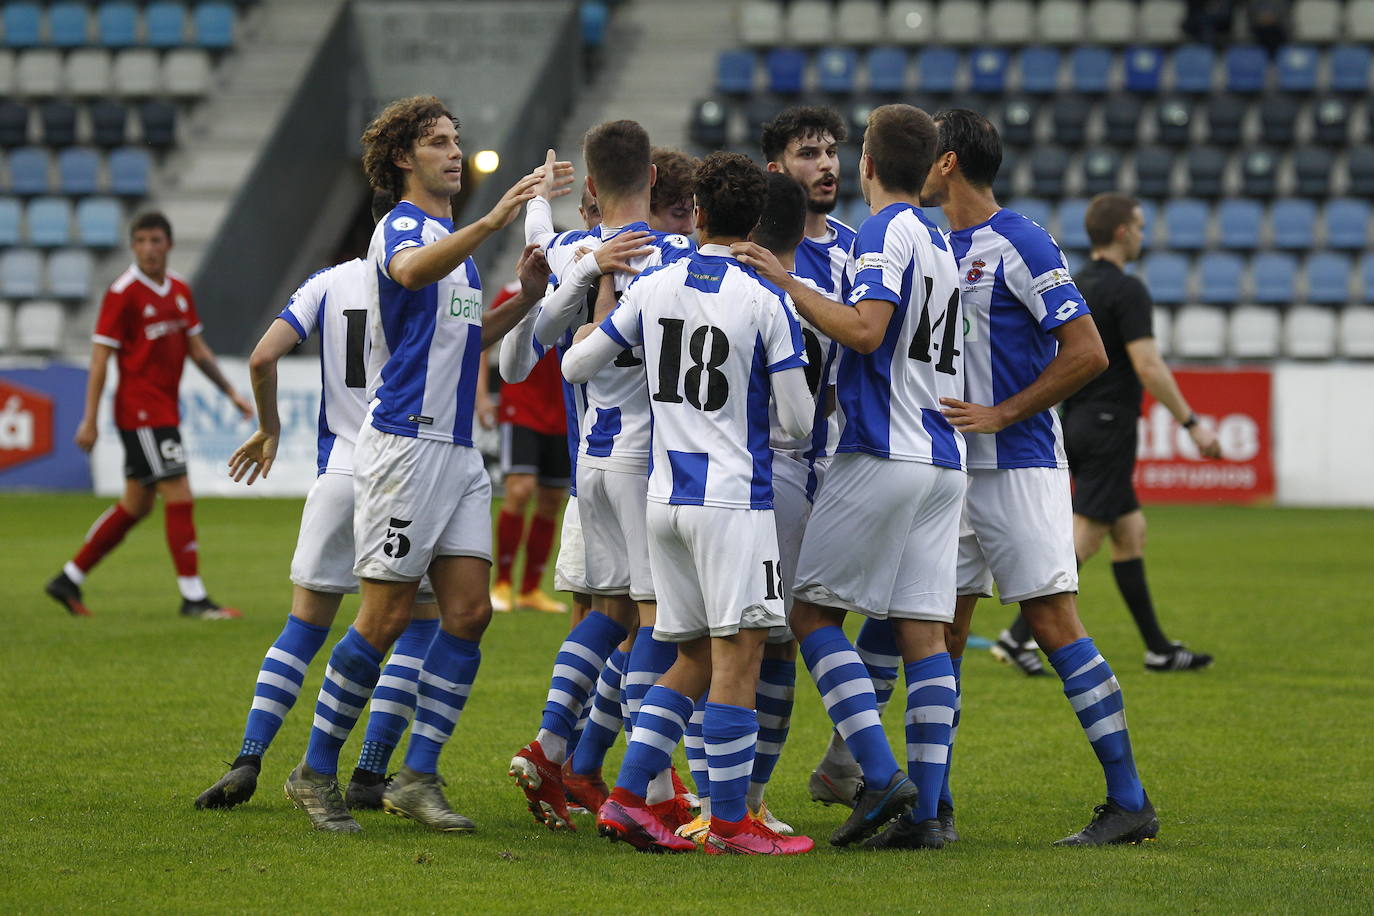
column 822, row 261
column 821, row 353
column 426, row 343
column 890, row 398
column 1016, row 290
column 712, row 332
column 334, row 303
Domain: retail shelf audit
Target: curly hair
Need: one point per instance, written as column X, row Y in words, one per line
column 732, row 189
column 782, row 224
column 393, row 133
column 675, row 172
column 800, row 121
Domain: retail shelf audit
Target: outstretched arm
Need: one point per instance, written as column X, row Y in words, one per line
column 205, row 361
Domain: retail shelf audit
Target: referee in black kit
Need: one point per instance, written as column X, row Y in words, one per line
column 1100, row 428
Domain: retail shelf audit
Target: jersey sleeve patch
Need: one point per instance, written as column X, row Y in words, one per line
column 1050, row 279
column 401, row 231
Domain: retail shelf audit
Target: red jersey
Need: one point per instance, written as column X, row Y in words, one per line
column 537, row 402
column 149, row 325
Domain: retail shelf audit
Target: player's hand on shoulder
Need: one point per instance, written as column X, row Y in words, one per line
column 86, row 435
column 532, row 270
column 1205, row 438
column 615, row 256
column 973, row 418
column 761, row 260
column 255, row 455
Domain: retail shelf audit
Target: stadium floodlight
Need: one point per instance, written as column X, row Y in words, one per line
column 486, row 161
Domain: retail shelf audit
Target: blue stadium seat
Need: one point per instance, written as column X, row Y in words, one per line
column 129, row 168
column 735, row 72
column 69, row 273
column 1347, row 223
column 22, row 24
column 1206, row 166
column 1192, row 66
column 1294, row 223
column 937, row 70
column 1143, row 68
column 1091, row 69
column 1034, row 209
column 1154, row 168
column 1101, row 170
column 10, row 211
column 1297, row 65
column 165, row 24
column 1247, row 67
column 988, row 70
column 116, row 24
column 594, row 15
column 97, row 222
column 21, row 273
column 1350, row 68
column 1328, row 278
column 14, row 124
column 67, row 24
column 1147, row 211
column 1072, row 233
column 1040, row 70
column 1049, row 166
column 109, row 120
column 214, row 26
column 835, row 69
column 1017, row 122
column 1273, row 276
column 1239, row 222
column 1185, row 224
column 1259, row 169
column 50, row 221
column 786, row 68
column 29, row 171
column 709, row 126
column 1367, row 277
column 78, row 171
column 1166, row 274
column 1219, row 275
column 1359, row 164
column 887, row 70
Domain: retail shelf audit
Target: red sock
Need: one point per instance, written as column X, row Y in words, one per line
column 537, row 546
column 510, row 528
column 104, row 536
column 181, row 538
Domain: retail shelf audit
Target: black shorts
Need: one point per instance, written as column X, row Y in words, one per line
column 524, row 451
column 1101, row 444
column 153, row 453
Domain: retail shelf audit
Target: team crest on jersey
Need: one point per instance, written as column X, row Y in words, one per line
column 975, row 271
column 181, row 303
column 403, row 224
column 149, row 312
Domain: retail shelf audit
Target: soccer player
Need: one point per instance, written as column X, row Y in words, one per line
column 422, row 497
column 148, row 321
column 1100, row 428
column 1026, row 348
column 882, row 537
column 332, row 303
column 715, row 341
column 670, row 198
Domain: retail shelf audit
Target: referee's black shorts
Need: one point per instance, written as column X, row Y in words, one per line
column 1101, row 443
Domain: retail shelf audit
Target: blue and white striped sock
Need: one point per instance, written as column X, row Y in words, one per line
column 662, row 719
column 575, row 671
column 929, row 715
column 581, row 726
column 279, row 682
column 445, row 682
column 877, row 646
column 603, row 722
column 774, row 696
column 730, row 734
column 847, row 693
column 649, row 659
column 1095, row 695
column 695, row 748
column 946, row 795
column 354, row 666
column 393, row 702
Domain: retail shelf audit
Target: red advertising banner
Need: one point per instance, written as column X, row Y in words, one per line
column 1234, row 403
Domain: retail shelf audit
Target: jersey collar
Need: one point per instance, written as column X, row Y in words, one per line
column 715, row 251
column 162, row 290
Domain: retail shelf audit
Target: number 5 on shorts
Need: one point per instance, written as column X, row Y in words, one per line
column 400, row 546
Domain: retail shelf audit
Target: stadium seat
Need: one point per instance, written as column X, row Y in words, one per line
column 1238, row 223
column 1007, row 175
column 1317, row 21
column 1162, row 326
column 165, row 24
column 109, row 121
column 1365, row 279
column 1253, row 332
column 10, row 222
column 1359, row 22
column 38, row 73
column 1048, row 167
column 910, row 22
column 6, row 72
column 1010, row 22
column 1017, row 122
column 1313, row 166
column 1225, row 115
column 1279, row 120
column 78, row 171
column 859, row 22
column 98, row 222
column 1192, row 66
column 887, row 70
column 39, row 326
column 786, row 70
column 69, row 273
column 1247, row 68
column 1219, row 275
column 1071, row 232
column 1101, row 171
column 1199, row 332
column 1185, row 224
column 129, row 170
column 1060, row 22
column 760, row 23
column 29, row 171
column 1309, row 332
column 1090, row 70
column 1273, row 278
column 1350, row 68
column 1347, row 223
column 835, row 70
column 186, row 73
column 1154, row 168
column 1174, row 122
column 1355, row 332
column 1297, row 66
column 159, row 122
column 1294, row 223
column 58, row 120
column 6, row 327
column 214, row 26
column 116, row 24
column 1360, row 163
column 1259, row 172
column 1161, row 21
column 708, row 124
column 960, row 23
column 67, row 25
column 593, row 18
column 809, row 22
column 1331, row 121
column 735, row 72
column 937, row 70
column 136, row 73
column 88, row 72
column 1166, row 274
column 758, row 111
column 1039, row 70
column 1069, row 119
column 1328, row 278
column 1121, row 119
column 23, row 23
column 14, row 124
column 21, row 273
column 1034, row 209
column 1143, row 68
column 988, row 70
column 50, row 222
column 1112, row 22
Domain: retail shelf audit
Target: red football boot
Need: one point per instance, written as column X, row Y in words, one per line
column 751, row 838
column 590, row 792
column 626, row 817
column 673, row 813
column 542, row 782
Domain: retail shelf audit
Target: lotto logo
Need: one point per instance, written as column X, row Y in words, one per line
column 26, row 421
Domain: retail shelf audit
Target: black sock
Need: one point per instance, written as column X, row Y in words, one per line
column 1020, row 630
column 1130, row 579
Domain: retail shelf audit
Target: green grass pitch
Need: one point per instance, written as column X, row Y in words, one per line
column 1260, row 768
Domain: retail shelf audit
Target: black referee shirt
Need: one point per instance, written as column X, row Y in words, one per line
column 1122, row 309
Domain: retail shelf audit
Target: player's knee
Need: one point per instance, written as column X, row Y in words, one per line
column 469, row 618
column 519, row 488
column 549, row 501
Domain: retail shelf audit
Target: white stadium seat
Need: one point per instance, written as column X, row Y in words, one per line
column 88, row 72
column 1010, row 21
column 1163, row 322
column 1309, row 332
column 961, row 22
column 1359, row 21
column 810, row 22
column 859, row 22
column 38, row 326
column 6, row 72
column 1254, row 332
column 910, row 22
column 1199, row 332
column 1161, row 21
column 1356, row 332
column 136, row 73
column 1060, row 22
column 760, row 22
column 69, row 273
column 1317, row 20
column 6, row 326
column 186, row 72
column 1112, row 22
column 39, row 72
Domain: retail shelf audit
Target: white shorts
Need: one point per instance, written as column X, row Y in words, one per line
column 717, row 571
column 883, row 539
column 417, row 499
column 791, row 509
column 570, row 572
column 611, row 506
column 1021, row 534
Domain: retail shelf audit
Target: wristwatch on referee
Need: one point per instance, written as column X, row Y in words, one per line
column 1190, row 422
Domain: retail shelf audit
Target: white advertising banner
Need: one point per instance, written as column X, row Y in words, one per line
column 1324, row 436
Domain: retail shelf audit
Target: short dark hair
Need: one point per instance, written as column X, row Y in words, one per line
column 731, row 188
column 900, row 140
column 617, row 157
column 393, row 133
column 150, row 219
column 783, row 221
column 974, row 140
column 382, row 204
column 674, row 182
column 803, row 121
column 1105, row 214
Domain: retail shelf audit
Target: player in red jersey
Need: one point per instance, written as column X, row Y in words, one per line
column 148, row 320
